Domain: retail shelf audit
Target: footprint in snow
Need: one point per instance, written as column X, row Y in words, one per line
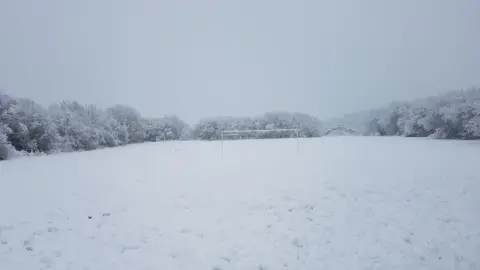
column 296, row 242
column 52, row 229
column 185, row 231
column 407, row 240
column 309, row 207
column 225, row 259
column 127, row 248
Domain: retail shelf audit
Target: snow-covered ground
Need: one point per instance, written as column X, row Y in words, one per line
column 339, row 203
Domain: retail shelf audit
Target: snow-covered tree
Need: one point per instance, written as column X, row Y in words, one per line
column 449, row 116
column 70, row 126
column 473, row 127
column 130, row 119
column 6, row 149
column 210, row 129
column 166, row 128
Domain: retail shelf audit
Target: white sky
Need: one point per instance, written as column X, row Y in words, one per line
column 204, row 58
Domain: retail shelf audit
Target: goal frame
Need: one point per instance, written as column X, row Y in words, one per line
column 236, row 131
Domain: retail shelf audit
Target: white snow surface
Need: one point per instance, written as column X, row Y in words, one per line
column 337, row 203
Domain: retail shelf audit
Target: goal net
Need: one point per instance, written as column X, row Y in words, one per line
column 259, row 134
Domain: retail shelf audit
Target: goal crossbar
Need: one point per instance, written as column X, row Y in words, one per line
column 257, row 130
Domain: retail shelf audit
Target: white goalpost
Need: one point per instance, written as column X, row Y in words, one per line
column 226, row 133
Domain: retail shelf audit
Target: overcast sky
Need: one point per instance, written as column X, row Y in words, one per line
column 204, row 58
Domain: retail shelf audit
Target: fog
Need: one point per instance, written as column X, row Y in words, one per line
column 207, row 58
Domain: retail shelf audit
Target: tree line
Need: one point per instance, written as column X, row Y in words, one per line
column 27, row 128
column 454, row 115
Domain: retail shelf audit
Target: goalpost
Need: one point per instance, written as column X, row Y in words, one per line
column 225, row 133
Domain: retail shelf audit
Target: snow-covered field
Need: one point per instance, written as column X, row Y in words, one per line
column 339, row 203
